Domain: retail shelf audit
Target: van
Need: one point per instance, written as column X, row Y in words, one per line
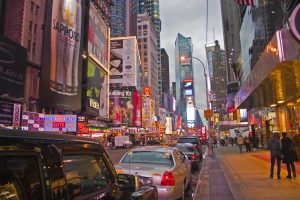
column 37, row 166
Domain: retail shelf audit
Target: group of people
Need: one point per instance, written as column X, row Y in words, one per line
column 282, row 150
column 250, row 143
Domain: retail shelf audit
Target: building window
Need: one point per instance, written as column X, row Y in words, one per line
column 30, row 26
column 37, row 8
column 33, row 48
column 32, row 7
column 29, row 45
column 35, row 28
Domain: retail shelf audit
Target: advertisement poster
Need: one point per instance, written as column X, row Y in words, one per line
column 60, row 123
column 32, row 121
column 121, row 107
column 137, row 107
column 169, row 128
column 98, row 39
column 6, row 113
column 61, row 71
column 97, row 90
column 13, row 60
column 123, row 62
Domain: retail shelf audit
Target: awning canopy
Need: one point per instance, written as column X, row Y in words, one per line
column 275, row 78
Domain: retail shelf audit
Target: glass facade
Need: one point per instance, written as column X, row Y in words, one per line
column 118, row 18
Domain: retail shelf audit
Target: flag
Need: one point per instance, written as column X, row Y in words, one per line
column 247, row 2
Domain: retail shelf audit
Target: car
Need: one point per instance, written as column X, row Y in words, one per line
column 191, row 152
column 55, row 166
column 192, row 140
column 167, row 168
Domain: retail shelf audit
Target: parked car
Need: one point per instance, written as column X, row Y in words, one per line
column 192, row 140
column 191, row 152
column 39, row 166
column 167, row 168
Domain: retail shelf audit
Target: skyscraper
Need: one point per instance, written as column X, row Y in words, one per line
column 231, row 30
column 117, row 17
column 184, row 78
column 165, row 71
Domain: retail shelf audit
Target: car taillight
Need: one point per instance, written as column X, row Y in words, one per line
column 168, row 179
column 194, row 156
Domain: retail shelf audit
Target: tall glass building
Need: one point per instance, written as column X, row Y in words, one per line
column 184, row 77
column 118, row 18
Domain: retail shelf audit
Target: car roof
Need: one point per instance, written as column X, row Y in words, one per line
column 154, row 148
column 184, row 144
column 8, row 133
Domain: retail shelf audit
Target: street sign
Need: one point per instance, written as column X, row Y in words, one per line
column 208, row 113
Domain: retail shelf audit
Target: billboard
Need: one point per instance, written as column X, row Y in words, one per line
column 97, row 90
column 10, row 114
column 147, row 91
column 13, row 59
column 61, row 71
column 123, row 62
column 121, row 107
column 98, row 37
column 190, row 112
column 169, row 127
column 137, row 108
column 32, row 121
column 57, row 123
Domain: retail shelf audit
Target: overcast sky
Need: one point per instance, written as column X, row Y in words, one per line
column 188, row 17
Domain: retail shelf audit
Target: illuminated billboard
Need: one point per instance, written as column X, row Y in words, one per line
column 190, row 112
column 124, row 65
column 189, row 92
column 169, row 126
column 63, row 123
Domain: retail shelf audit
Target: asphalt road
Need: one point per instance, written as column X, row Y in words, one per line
column 116, row 155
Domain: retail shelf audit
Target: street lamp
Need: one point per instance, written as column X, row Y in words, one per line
column 182, row 58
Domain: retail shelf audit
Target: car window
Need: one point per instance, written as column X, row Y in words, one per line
column 188, row 140
column 20, row 178
column 181, row 156
column 186, row 148
column 153, row 157
column 86, row 174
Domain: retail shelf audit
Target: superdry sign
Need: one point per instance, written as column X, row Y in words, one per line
column 295, row 22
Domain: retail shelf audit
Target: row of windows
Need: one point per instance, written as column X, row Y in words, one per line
column 34, row 9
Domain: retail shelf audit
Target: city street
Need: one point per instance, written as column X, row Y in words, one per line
column 116, row 154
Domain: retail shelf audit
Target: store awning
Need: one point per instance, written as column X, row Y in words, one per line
column 275, row 78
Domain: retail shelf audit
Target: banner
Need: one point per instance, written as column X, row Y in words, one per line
column 97, row 90
column 6, row 113
column 13, row 59
column 61, row 71
column 60, row 123
column 137, row 108
column 32, row 121
column 98, row 38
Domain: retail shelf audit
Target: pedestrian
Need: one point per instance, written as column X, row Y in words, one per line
column 240, row 142
column 215, row 142
column 274, row 146
column 289, row 155
column 247, row 143
column 232, row 141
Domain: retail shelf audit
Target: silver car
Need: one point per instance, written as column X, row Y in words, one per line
column 167, row 168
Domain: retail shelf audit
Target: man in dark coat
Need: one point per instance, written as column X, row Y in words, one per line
column 288, row 155
column 275, row 149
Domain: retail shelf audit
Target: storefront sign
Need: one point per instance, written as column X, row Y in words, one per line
column 203, row 133
column 7, row 117
column 147, row 91
column 12, row 68
column 32, row 121
column 81, row 118
column 64, row 123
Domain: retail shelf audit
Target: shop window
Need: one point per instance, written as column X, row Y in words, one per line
column 20, row 178
column 86, row 175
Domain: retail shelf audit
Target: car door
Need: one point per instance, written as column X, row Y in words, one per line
column 185, row 163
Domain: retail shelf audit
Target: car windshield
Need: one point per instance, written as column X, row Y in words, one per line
column 185, row 148
column 153, row 157
column 188, row 140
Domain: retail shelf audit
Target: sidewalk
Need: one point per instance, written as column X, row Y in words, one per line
column 229, row 174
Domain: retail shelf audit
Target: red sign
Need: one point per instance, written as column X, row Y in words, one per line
column 147, row 91
column 203, row 133
column 58, row 125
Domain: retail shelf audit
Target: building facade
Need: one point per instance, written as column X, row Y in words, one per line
column 165, row 71
column 118, row 16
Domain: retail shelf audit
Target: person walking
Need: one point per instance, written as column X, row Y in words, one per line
column 240, row 142
column 274, row 146
column 288, row 152
column 247, row 143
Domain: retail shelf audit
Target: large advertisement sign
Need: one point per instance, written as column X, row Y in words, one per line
column 13, row 59
column 123, row 62
column 32, row 121
column 190, row 112
column 97, row 90
column 61, row 72
column 188, row 88
column 169, row 127
column 10, row 114
column 60, row 123
column 98, row 38
column 137, row 107
column 121, row 107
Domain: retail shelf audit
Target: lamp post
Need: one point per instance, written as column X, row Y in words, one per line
column 207, row 101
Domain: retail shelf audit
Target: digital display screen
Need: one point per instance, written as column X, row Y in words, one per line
column 64, row 123
column 58, row 125
column 189, row 92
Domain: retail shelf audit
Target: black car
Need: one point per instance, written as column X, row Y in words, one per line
column 192, row 140
column 39, row 166
column 191, row 152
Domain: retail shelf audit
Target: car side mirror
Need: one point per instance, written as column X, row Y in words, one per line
column 128, row 182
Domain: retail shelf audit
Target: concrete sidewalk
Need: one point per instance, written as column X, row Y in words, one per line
column 229, row 174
